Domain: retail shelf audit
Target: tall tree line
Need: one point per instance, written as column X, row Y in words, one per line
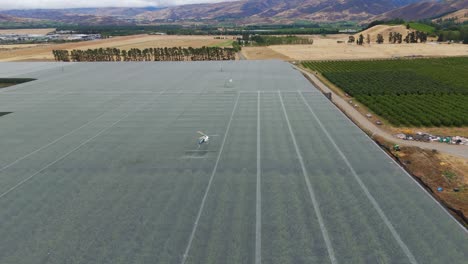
column 61, row 55
column 411, row 37
column 415, row 37
column 395, row 37
column 149, row 54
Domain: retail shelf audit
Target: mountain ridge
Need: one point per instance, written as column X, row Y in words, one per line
column 249, row 12
column 83, row 16
column 422, row 10
column 273, row 10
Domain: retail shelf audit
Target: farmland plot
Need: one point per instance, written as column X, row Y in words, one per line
column 418, row 92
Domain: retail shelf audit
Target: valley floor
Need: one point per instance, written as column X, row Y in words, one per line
column 43, row 52
column 328, row 48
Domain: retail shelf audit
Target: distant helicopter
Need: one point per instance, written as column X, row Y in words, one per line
column 204, row 138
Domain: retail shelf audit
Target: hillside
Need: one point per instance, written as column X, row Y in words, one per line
column 7, row 21
column 384, row 30
column 128, row 12
column 59, row 13
column 421, row 10
column 459, row 16
column 251, row 12
column 11, row 19
column 85, row 16
column 270, row 11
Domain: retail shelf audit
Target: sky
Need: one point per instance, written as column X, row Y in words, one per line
column 31, row 4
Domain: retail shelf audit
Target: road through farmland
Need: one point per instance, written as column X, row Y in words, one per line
column 368, row 125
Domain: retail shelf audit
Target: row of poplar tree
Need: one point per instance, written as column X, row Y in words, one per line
column 394, row 37
column 148, row 54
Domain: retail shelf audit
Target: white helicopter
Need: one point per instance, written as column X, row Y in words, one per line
column 204, row 138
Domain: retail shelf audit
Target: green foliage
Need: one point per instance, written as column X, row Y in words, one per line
column 419, row 110
column 360, row 40
column 227, row 43
column 400, row 82
column 395, row 37
column 380, row 39
column 449, row 175
column 232, row 29
column 236, row 46
column 279, row 40
column 422, row 27
column 417, row 92
column 459, row 33
column 464, row 34
column 149, row 54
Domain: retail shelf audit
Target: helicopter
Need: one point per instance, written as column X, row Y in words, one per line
column 203, row 139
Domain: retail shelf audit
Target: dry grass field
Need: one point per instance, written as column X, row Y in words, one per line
column 263, row 53
column 44, row 52
column 384, row 30
column 435, row 169
column 328, row 48
column 20, row 46
column 331, row 50
column 324, row 47
column 39, row 31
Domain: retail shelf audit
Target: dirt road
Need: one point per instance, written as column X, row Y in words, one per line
column 365, row 124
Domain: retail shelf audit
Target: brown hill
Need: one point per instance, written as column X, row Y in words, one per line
column 271, row 11
column 128, row 12
column 422, row 10
column 384, row 30
column 95, row 20
column 459, row 16
column 8, row 18
column 252, row 11
column 72, row 16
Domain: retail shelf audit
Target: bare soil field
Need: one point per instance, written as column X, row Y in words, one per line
column 44, row 52
column 436, row 170
column 39, row 31
column 328, row 48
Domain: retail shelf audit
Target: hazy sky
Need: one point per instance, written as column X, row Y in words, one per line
column 27, row 4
